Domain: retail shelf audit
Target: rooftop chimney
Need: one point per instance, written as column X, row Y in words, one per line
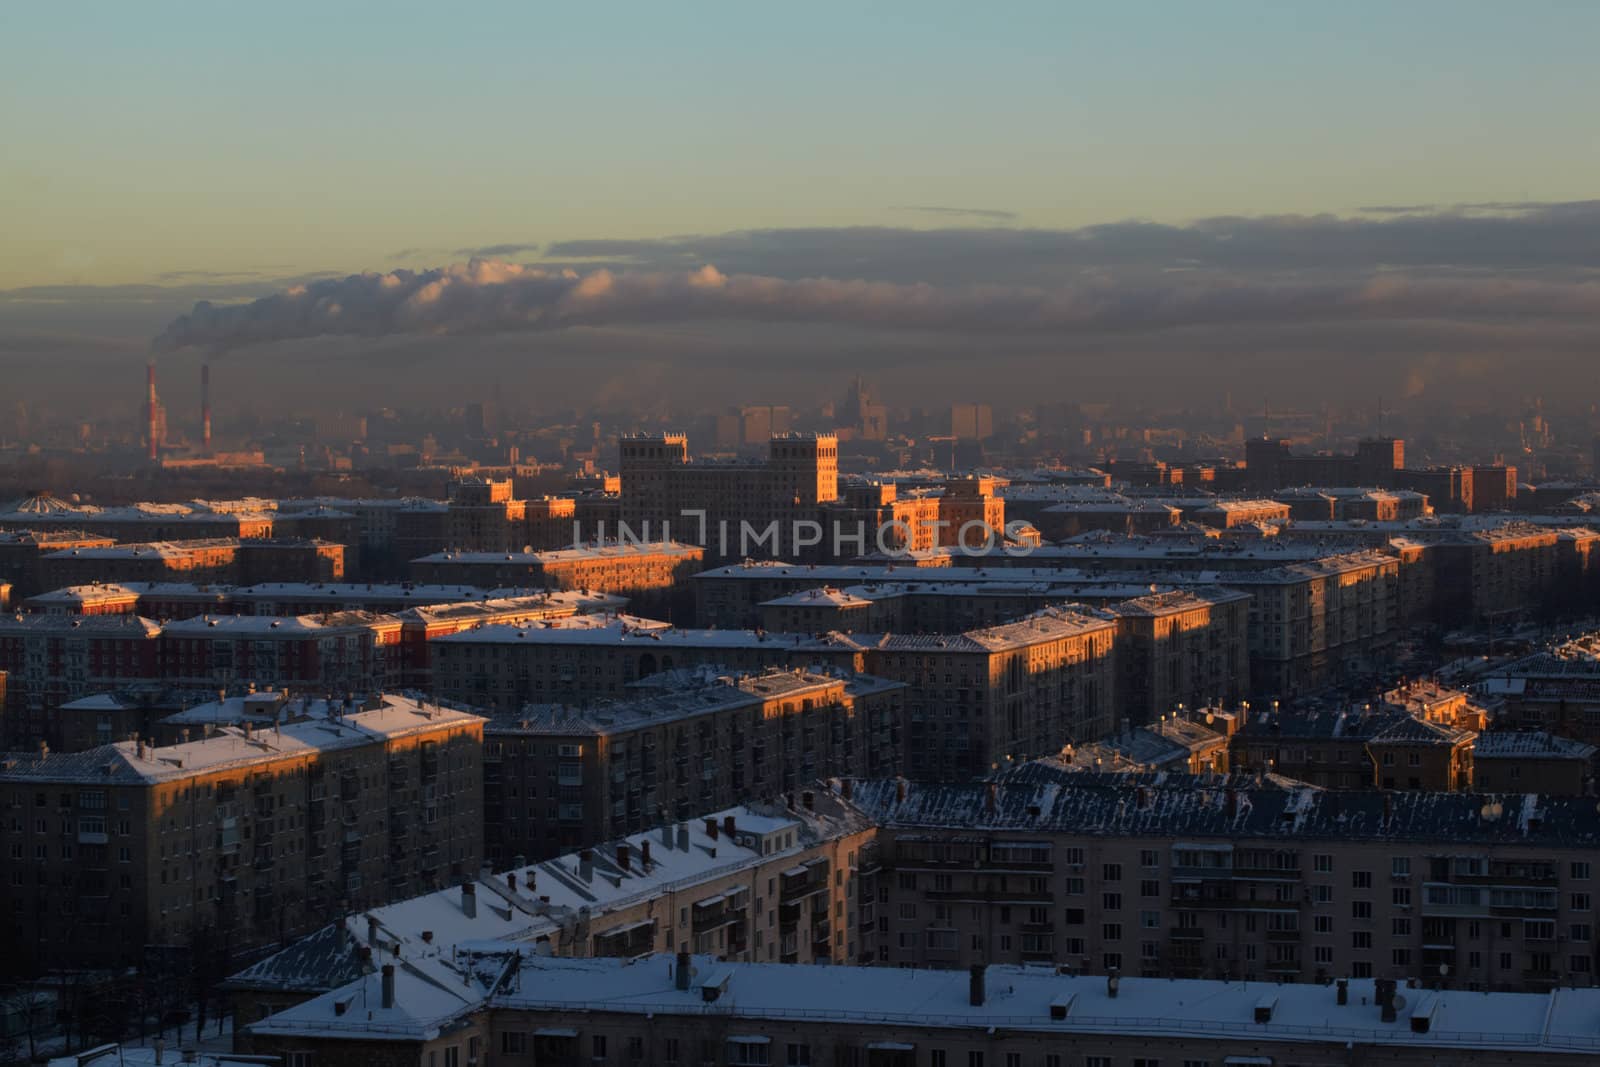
column 623, row 857
column 586, row 865
column 991, row 798
column 729, row 827
column 205, row 406
column 511, row 881
column 683, row 837
column 975, row 985
column 388, row 985
column 1384, row 988
column 372, row 931
column 808, row 800
column 711, row 829
column 1343, row 987
column 847, row 786
column 644, row 855
column 469, row 900
column 680, row 973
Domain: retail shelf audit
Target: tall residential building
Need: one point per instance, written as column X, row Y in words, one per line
column 710, row 504
column 1173, row 877
column 237, row 839
column 687, row 743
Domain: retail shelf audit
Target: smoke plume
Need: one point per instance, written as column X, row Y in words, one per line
column 489, row 296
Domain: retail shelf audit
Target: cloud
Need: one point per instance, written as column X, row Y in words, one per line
column 1555, row 236
column 490, row 296
column 990, row 214
column 494, row 251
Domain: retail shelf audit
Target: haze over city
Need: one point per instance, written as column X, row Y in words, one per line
column 876, row 535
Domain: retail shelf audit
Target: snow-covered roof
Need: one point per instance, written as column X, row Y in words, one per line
column 1021, row 998
column 1038, row 798
column 567, row 555
column 129, row 762
column 1526, row 744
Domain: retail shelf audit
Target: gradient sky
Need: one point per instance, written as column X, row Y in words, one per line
column 145, row 139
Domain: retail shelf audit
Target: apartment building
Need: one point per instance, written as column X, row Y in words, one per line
column 215, row 560
column 1162, row 877
column 622, row 569
column 1187, row 742
column 1187, row 648
column 422, row 625
column 991, row 697
column 1315, row 621
column 1506, row 761
column 22, row 550
column 481, row 515
column 1556, row 691
column 504, row 668
column 696, row 1009
column 684, row 744
column 729, row 884
column 1225, row 514
column 52, row 659
column 239, row 838
column 707, row 503
column 1356, row 748
column 341, row 652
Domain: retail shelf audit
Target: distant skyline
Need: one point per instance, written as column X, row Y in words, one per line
column 184, row 143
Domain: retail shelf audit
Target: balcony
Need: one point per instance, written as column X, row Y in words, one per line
column 1283, row 936
column 1186, row 933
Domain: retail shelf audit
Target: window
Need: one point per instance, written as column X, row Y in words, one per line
column 1150, row 920
column 300, row 1059
column 1400, row 867
column 1111, row 872
column 798, row 1056
column 1401, row 896
column 974, row 1058
column 748, row 1053
column 1323, row 894
column 1322, row 863
column 1361, row 909
column 1322, row 954
column 1361, row 939
column 1149, row 857
column 452, row 1056
column 635, row 1048
column 1361, row 969
column 669, row 1050
column 1150, row 887
column 1074, row 887
column 936, row 1057
column 1402, row 957
column 1111, row 901
column 1013, row 1059
column 599, row 1046
column 1097, row 1061
column 1145, row 1061
column 1580, row 932
column 1580, row 902
column 1196, row 1063
column 1400, row 927
column 1322, row 924
column 1360, row 879
column 1579, row 870
column 1111, row 932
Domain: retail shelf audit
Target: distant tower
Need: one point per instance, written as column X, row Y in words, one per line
column 205, row 406
column 152, row 413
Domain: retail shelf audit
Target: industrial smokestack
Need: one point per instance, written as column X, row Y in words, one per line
column 150, row 410
column 205, row 406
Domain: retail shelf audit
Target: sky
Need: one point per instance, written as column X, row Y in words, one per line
column 143, row 140
column 158, row 155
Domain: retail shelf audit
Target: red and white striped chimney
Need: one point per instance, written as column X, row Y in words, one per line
column 205, row 406
column 150, row 410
